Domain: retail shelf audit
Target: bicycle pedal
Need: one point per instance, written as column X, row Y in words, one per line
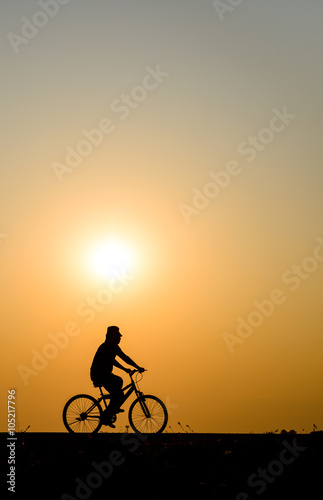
column 109, row 421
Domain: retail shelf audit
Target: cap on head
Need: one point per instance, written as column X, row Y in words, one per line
column 112, row 332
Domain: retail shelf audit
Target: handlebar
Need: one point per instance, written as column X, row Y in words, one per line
column 132, row 372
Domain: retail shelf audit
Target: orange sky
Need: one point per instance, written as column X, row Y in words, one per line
column 192, row 143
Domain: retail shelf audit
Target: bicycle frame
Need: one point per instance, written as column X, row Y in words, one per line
column 132, row 388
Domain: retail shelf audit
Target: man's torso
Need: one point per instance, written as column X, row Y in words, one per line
column 103, row 360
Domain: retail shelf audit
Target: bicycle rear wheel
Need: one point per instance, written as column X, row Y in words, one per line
column 82, row 413
column 148, row 415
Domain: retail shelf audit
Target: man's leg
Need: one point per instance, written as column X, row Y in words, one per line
column 114, row 386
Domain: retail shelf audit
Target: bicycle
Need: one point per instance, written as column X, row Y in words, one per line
column 147, row 414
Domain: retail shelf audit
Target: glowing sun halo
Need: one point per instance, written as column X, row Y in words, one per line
column 109, row 257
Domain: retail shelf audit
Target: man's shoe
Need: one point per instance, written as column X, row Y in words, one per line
column 108, row 419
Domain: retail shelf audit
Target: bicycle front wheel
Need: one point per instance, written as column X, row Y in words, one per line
column 82, row 413
column 148, row 415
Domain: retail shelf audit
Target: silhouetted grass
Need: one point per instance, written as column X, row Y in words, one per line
column 172, row 465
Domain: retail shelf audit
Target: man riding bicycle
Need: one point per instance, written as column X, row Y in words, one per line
column 101, row 371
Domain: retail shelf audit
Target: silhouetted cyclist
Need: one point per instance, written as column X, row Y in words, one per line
column 101, row 370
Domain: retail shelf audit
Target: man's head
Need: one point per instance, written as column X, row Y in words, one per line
column 113, row 335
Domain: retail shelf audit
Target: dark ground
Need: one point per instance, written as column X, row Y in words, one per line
column 166, row 466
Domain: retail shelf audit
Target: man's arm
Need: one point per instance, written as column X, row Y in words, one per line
column 117, row 364
column 128, row 360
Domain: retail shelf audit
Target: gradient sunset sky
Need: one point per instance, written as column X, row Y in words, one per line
column 161, row 171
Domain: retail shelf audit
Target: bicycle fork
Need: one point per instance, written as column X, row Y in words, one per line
column 144, row 407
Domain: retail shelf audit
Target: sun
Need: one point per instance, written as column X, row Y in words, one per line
column 110, row 257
